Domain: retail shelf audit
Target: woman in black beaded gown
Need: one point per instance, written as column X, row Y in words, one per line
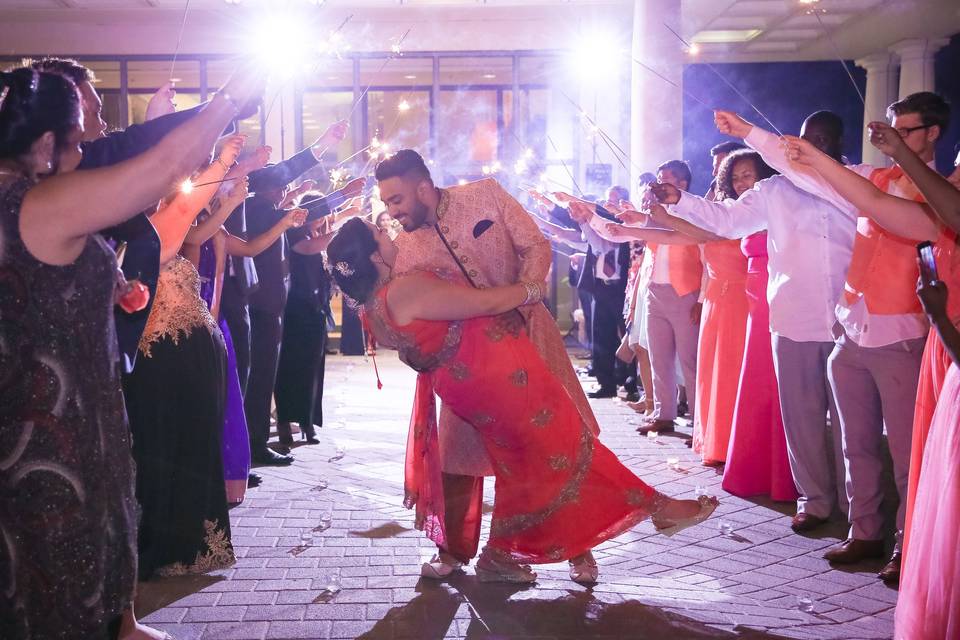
column 67, row 509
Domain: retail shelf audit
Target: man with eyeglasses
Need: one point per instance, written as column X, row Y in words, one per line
column 874, row 368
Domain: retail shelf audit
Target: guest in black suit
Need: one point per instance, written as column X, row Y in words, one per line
column 604, row 275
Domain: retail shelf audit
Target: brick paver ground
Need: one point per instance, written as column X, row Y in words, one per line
column 747, row 581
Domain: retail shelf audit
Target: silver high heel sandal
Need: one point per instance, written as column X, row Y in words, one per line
column 668, row 528
column 440, row 566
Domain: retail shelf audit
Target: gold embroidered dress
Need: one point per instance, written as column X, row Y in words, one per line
column 559, row 491
column 497, row 244
column 175, row 400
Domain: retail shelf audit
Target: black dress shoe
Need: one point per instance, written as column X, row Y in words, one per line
column 270, row 457
column 254, row 480
column 632, row 396
column 682, row 409
column 603, row 392
column 309, row 434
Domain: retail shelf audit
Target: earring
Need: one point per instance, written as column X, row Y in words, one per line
column 49, row 165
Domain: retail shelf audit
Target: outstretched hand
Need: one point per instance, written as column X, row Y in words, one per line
column 354, row 188
column 885, row 138
column 231, row 148
column 730, row 124
column 161, row 103
column 800, row 150
column 665, row 193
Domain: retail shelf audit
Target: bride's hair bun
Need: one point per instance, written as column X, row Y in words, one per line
column 349, row 255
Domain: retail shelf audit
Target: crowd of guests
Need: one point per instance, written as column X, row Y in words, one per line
column 787, row 298
column 144, row 291
column 167, row 320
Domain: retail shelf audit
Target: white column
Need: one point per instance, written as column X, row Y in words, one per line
column 656, row 107
column 916, row 63
column 882, row 89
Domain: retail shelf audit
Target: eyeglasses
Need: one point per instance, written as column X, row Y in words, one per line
column 905, row 131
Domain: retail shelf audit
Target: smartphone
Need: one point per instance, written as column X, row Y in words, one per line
column 928, row 265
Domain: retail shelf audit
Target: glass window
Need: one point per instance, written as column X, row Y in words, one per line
column 400, row 118
column 408, row 73
column 218, row 72
column 138, row 104
column 152, row 74
column 320, row 110
column 476, row 72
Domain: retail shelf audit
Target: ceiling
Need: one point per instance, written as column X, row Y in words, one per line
column 754, row 30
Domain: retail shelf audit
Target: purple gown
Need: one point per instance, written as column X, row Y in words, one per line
column 236, row 441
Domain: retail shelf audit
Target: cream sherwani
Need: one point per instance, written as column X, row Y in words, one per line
column 496, row 243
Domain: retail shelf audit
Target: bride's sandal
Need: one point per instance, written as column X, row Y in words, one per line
column 670, row 527
column 496, row 566
column 583, row 569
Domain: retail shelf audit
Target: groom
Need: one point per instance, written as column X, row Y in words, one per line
column 480, row 231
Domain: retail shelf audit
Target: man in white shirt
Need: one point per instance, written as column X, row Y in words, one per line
column 875, row 367
column 809, row 242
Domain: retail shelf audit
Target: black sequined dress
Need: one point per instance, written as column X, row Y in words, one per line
column 67, row 507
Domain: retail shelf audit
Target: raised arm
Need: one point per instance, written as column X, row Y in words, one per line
column 942, row 196
column 255, row 246
column 899, row 216
column 416, row 297
column 61, row 211
column 174, row 222
column 727, row 219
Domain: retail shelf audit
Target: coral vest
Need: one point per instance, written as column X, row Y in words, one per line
column 883, row 267
column 684, row 267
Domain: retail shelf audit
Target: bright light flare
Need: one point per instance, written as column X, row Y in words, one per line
column 403, row 107
column 596, row 58
column 282, row 43
column 186, row 186
column 694, row 49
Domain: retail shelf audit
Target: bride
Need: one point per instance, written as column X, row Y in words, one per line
column 559, row 491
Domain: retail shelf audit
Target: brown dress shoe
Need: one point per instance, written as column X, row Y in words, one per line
column 660, row 426
column 891, row 571
column 852, row 551
column 806, row 522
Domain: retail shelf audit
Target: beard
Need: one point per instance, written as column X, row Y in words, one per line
column 416, row 218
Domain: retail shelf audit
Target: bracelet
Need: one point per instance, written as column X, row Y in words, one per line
column 233, row 103
column 534, row 294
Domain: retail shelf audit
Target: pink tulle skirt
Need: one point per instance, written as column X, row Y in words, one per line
column 929, row 604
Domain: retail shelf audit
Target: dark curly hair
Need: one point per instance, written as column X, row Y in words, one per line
column 725, row 173
column 35, row 102
column 349, row 257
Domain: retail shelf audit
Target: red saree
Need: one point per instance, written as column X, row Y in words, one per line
column 559, row 491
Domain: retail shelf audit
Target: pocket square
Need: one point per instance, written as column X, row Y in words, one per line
column 481, row 226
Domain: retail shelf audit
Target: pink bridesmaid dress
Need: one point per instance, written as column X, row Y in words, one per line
column 723, row 328
column 929, row 603
column 757, row 462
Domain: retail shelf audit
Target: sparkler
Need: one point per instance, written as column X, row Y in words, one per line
column 569, row 173
column 836, row 50
column 395, row 50
column 183, row 23
column 726, row 82
column 187, row 186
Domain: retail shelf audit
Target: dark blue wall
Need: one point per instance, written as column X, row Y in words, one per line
column 947, row 78
column 786, row 92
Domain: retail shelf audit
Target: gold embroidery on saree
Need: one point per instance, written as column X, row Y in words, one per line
column 542, row 418
column 519, row 378
column 459, row 370
column 559, row 462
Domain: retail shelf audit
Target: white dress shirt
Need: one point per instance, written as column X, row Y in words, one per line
column 809, row 242
column 861, row 326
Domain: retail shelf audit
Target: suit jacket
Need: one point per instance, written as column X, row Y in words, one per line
column 244, row 224
column 142, row 254
column 588, row 275
column 497, row 243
